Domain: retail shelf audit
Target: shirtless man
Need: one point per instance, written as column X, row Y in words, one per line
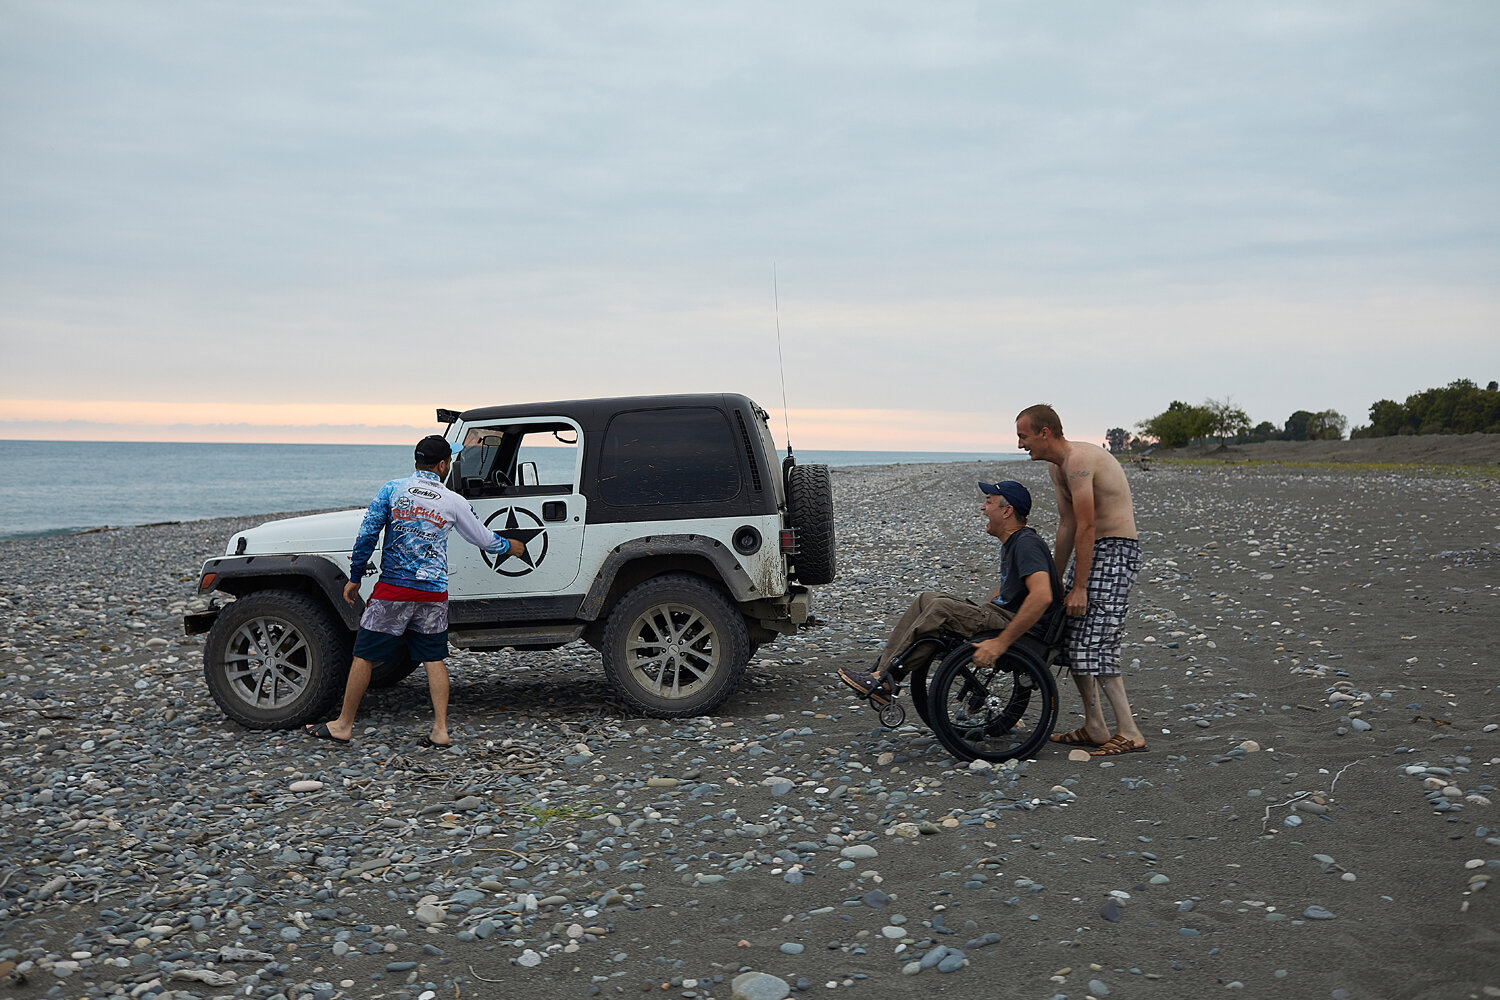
column 1096, row 525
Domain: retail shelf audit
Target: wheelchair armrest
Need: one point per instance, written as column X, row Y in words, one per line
column 943, row 643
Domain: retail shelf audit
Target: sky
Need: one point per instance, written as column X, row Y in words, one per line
column 319, row 221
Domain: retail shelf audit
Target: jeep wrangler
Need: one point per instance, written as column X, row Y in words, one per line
column 660, row 530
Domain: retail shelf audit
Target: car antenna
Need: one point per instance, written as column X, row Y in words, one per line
column 781, row 363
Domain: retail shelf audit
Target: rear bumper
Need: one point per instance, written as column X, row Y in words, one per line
column 781, row 614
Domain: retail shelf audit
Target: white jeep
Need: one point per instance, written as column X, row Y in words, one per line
column 661, row 530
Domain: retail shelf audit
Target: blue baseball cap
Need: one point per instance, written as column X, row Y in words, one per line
column 1014, row 493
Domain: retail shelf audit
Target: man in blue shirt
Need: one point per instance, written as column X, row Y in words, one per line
column 1028, row 591
column 410, row 601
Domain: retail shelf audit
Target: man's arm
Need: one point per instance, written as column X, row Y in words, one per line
column 1067, row 524
column 1081, row 485
column 1038, row 599
column 364, row 542
column 473, row 530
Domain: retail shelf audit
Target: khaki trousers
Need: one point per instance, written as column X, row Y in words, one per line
column 932, row 613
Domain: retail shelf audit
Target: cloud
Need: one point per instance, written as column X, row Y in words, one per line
column 338, row 202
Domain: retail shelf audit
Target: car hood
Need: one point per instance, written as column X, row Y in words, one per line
column 332, row 532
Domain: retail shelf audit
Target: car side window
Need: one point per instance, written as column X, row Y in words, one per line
column 676, row 456
column 517, row 460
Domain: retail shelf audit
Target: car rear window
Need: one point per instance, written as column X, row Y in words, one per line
column 684, row 455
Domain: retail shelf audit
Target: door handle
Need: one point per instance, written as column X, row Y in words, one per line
column 555, row 510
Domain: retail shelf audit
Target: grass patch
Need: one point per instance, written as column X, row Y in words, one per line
column 1409, row 468
column 542, row 815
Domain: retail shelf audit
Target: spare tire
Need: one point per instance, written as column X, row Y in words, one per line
column 810, row 504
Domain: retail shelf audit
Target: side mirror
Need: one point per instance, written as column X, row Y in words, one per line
column 526, row 473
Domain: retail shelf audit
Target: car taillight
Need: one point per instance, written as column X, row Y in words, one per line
column 789, row 540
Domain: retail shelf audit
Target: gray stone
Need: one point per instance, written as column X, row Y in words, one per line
column 759, row 986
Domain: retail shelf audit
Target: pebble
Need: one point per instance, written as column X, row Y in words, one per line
column 759, row 986
column 529, row 844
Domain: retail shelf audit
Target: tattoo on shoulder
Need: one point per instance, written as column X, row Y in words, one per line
column 1080, row 474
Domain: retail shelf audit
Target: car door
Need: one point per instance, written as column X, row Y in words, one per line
column 522, row 478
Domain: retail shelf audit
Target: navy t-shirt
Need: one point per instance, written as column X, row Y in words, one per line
column 1023, row 554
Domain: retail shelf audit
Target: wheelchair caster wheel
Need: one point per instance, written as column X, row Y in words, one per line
column 892, row 715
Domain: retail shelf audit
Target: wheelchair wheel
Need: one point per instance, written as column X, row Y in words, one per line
column 919, row 692
column 995, row 713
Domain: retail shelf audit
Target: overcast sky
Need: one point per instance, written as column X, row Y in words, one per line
column 287, row 221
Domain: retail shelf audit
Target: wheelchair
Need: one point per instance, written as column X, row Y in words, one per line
column 980, row 713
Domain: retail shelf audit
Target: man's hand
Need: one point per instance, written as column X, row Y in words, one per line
column 1077, row 602
column 351, row 591
column 990, row 650
column 516, row 548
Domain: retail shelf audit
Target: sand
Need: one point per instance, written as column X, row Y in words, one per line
column 1303, row 638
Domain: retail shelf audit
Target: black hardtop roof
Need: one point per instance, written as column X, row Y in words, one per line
column 594, row 412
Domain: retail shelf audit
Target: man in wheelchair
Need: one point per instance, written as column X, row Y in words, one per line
column 1029, row 597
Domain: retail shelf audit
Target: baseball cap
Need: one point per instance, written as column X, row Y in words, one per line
column 1014, row 493
column 432, row 449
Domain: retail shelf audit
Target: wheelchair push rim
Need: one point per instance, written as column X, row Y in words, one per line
column 995, row 714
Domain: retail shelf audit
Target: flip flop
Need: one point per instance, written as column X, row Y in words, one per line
column 320, row 731
column 877, row 690
column 1116, row 746
column 428, row 741
column 1076, row 738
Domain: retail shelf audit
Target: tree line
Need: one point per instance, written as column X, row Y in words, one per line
column 1461, row 407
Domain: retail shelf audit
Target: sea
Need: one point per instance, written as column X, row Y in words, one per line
column 57, row 487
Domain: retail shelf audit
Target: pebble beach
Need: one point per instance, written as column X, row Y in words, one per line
column 1310, row 653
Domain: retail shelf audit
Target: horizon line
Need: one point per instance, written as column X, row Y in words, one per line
column 383, row 444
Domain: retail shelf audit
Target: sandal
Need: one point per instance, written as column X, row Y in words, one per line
column 320, row 732
column 1116, row 746
column 1077, row 738
column 876, row 689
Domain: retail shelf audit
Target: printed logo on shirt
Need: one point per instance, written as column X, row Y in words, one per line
column 417, row 491
column 406, row 510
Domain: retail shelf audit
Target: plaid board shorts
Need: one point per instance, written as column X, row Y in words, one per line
column 423, row 624
column 1092, row 642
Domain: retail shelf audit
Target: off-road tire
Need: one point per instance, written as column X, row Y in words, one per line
column 810, row 505
column 712, row 647
column 393, row 671
column 309, row 649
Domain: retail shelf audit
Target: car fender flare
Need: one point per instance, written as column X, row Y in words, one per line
column 732, row 575
column 234, row 573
